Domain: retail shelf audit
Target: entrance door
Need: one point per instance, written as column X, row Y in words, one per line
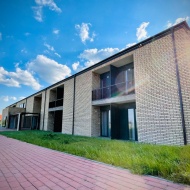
column 58, row 121
column 105, row 122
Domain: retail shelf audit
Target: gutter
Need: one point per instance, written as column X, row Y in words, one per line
column 44, row 109
column 179, row 88
column 74, row 105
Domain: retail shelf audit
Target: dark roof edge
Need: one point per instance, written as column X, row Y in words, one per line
column 148, row 40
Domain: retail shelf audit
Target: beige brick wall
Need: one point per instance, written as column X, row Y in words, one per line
column 68, row 107
column 30, row 104
column 182, row 41
column 42, row 110
column 46, row 110
column 157, row 99
column 95, row 127
column 83, row 108
column 37, row 105
column 21, row 102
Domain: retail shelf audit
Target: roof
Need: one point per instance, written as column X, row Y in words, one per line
column 144, row 42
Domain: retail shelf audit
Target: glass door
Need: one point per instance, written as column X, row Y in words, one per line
column 105, row 123
column 131, row 124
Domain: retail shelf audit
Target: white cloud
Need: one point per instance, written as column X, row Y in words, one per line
column 92, row 56
column 0, row 36
column 7, row 98
column 57, row 55
column 22, row 97
column 84, row 32
column 141, row 31
column 48, row 3
column 56, row 31
column 130, row 44
column 51, row 48
column 75, row 65
column 18, row 78
column 38, row 14
column 177, row 21
column 23, row 50
column 48, row 69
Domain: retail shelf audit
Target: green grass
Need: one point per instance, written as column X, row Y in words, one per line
column 170, row 162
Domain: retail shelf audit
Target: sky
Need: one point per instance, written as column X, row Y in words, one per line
column 45, row 41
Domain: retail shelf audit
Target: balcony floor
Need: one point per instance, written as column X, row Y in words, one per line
column 118, row 100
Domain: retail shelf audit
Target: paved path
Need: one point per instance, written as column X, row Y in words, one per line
column 26, row 166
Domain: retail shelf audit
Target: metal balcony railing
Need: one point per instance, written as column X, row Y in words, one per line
column 56, row 103
column 119, row 89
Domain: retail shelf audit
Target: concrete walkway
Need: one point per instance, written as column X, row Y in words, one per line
column 26, row 166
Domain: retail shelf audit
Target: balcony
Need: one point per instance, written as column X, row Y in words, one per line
column 56, row 103
column 120, row 89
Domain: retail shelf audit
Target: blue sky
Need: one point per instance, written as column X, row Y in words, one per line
column 44, row 41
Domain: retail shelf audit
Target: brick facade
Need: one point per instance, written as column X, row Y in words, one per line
column 182, row 43
column 68, row 107
column 157, row 94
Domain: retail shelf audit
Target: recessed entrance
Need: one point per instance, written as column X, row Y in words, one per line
column 119, row 122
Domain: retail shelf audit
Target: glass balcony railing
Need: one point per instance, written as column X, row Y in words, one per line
column 119, row 89
column 56, row 103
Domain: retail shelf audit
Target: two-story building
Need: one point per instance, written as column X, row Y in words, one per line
column 141, row 94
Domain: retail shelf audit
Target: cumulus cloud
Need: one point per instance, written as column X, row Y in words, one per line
column 18, row 78
column 51, row 48
column 75, row 65
column 57, row 55
column 92, row 56
column 177, row 21
column 48, row 69
column 0, row 36
column 22, row 97
column 141, row 31
column 8, row 98
column 56, row 31
column 130, row 44
column 38, row 14
column 84, row 32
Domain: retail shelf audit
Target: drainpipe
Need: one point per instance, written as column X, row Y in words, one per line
column 179, row 88
column 74, row 105
column 44, row 110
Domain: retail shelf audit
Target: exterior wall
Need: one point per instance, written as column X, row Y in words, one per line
column 14, row 110
column 68, row 107
column 95, row 130
column 21, row 102
column 182, row 42
column 46, row 110
column 37, row 105
column 157, row 99
column 83, row 107
column 30, row 104
column 42, row 111
column 5, row 113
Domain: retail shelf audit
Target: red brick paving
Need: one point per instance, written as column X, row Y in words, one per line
column 25, row 166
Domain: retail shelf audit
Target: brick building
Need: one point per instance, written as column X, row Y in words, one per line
column 141, row 94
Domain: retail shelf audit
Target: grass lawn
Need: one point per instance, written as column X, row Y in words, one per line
column 170, row 162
